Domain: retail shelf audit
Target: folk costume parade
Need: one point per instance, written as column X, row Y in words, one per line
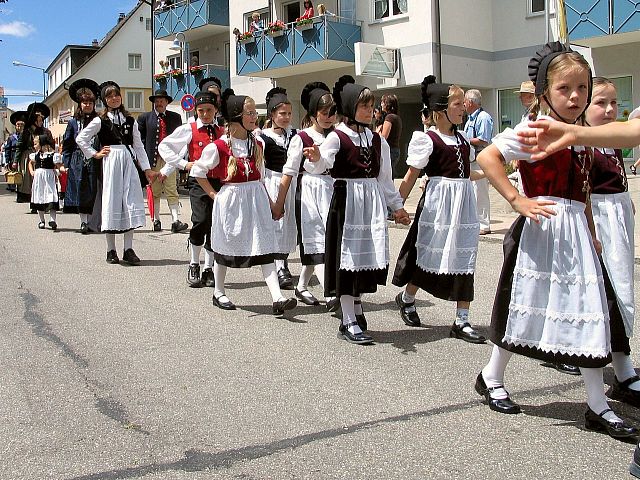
column 83, row 173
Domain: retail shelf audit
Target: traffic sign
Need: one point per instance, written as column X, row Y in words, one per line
column 188, row 103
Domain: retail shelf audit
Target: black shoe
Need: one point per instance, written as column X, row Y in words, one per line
column 471, row 337
column 178, row 226
column 615, row 429
column 501, row 405
column 563, row 368
column 130, row 257
column 207, row 278
column 41, row 225
column 286, row 304
column 112, row 257
column 84, row 228
column 224, row 305
column 360, row 318
column 285, row 279
column 620, row 391
column 333, row 305
column 634, row 468
column 157, row 226
column 408, row 312
column 193, row 276
column 306, row 297
column 53, row 225
column 357, row 338
column 633, row 169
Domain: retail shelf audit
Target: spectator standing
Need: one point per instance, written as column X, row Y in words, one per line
column 391, row 127
column 308, row 10
column 256, row 23
column 479, row 130
column 527, row 94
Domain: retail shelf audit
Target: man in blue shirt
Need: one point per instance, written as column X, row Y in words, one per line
column 479, row 131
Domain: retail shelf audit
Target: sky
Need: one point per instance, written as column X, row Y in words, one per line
column 35, row 31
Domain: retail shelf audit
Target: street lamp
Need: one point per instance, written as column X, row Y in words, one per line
column 181, row 45
column 44, row 75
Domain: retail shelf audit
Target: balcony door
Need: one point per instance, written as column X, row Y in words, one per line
column 290, row 11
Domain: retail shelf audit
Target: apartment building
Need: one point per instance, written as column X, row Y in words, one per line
column 391, row 45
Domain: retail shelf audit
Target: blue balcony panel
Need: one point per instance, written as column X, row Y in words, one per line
column 329, row 44
column 194, row 18
column 189, row 83
column 597, row 20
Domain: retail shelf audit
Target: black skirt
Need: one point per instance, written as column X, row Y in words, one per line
column 447, row 286
column 46, row 207
column 234, row 261
column 619, row 340
column 344, row 282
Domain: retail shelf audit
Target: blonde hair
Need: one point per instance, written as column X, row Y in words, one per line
column 558, row 66
column 433, row 116
column 232, row 164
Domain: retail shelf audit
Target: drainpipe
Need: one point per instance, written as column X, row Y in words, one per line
column 436, row 12
column 546, row 21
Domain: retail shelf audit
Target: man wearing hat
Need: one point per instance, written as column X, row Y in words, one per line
column 191, row 138
column 17, row 120
column 37, row 112
column 527, row 94
column 154, row 127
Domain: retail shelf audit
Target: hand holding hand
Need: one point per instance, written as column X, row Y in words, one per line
column 597, row 245
column 401, row 216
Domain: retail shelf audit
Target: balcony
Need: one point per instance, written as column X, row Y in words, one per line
column 597, row 20
column 179, row 86
column 195, row 18
column 326, row 44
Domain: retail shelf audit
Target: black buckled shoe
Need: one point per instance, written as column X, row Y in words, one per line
column 620, row 391
column 53, row 225
column 457, row 331
column 333, row 305
column 178, row 226
column 285, row 279
column 615, row 429
column 285, row 304
column 112, row 257
column 501, row 405
column 223, row 304
column 408, row 312
column 130, row 257
column 357, row 338
column 634, row 468
column 207, row 278
column 84, row 228
column 563, row 368
column 157, row 226
column 41, row 225
column 193, row 276
column 306, row 297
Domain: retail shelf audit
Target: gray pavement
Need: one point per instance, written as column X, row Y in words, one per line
column 110, row 372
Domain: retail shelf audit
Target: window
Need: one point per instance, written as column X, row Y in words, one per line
column 134, row 100
column 148, row 24
column 264, row 18
column 135, row 61
column 174, row 62
column 536, row 6
column 195, row 58
column 290, row 11
column 389, row 8
column 510, row 109
column 625, row 104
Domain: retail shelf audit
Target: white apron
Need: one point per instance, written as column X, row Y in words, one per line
column 285, row 229
column 315, row 199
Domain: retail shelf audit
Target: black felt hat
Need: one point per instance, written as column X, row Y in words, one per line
column 19, row 116
column 276, row 97
column 346, row 94
column 232, row 105
column 435, row 96
column 311, row 95
column 37, row 107
column 160, row 93
column 81, row 83
column 205, row 83
column 105, row 85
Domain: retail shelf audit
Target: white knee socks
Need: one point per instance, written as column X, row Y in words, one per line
column 279, row 264
column 41, row 215
column 128, row 240
column 111, row 241
column 174, row 212
column 349, row 313
column 596, row 399
column 493, row 372
column 219, row 274
column 208, row 259
column 84, row 218
column 305, row 276
column 53, row 215
column 156, row 209
column 271, row 278
column 623, row 369
column 195, row 253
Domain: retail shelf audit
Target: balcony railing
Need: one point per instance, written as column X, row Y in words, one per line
column 329, row 40
column 177, row 86
column 595, row 18
column 189, row 14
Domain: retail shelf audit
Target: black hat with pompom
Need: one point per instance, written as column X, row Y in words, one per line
column 435, row 96
column 346, row 94
column 232, row 105
column 311, row 95
column 276, row 97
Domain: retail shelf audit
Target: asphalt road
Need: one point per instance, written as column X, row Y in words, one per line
column 110, row 372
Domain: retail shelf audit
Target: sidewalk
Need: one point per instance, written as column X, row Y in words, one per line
column 502, row 216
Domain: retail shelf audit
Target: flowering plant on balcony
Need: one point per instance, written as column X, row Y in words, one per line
column 276, row 26
column 197, row 69
column 177, row 73
column 304, row 22
column 159, row 77
column 244, row 36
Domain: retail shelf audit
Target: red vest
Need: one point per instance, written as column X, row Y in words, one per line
column 247, row 170
column 199, row 140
